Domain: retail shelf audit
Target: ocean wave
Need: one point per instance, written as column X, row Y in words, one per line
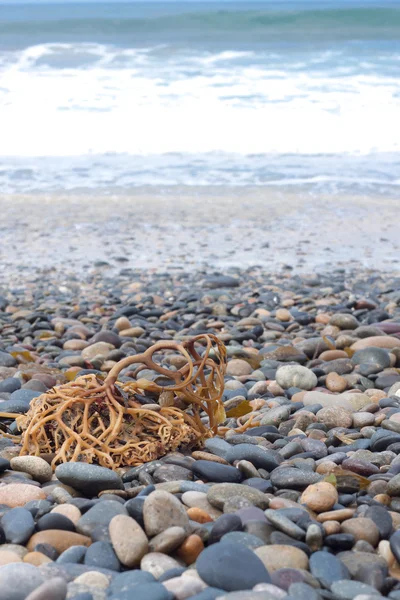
column 321, row 21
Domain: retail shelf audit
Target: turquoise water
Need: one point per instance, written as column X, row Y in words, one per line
column 300, row 94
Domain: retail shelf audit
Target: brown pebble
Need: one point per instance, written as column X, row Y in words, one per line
column 320, row 497
column 68, row 510
column 282, row 314
column 199, row 515
column 36, row 558
column 336, row 515
column 281, row 556
column 59, row 540
column 383, row 499
column 331, row 527
column 18, row 494
column 363, row 529
column 190, row 549
column 335, row 416
column 199, row 455
column 335, row 383
column 326, row 467
column 329, row 355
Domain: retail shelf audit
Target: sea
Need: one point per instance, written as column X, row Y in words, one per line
column 301, row 95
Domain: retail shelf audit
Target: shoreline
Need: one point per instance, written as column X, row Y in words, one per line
column 189, row 229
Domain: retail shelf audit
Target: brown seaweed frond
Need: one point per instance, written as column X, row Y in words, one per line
column 105, row 423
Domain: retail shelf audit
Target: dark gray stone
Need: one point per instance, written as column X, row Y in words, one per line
column 101, row 554
column 18, row 525
column 212, row 471
column 259, row 457
column 327, row 568
column 89, row 479
column 231, row 567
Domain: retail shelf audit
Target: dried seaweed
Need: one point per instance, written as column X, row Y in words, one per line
column 104, row 422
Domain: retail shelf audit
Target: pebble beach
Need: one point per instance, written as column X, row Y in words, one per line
column 306, row 505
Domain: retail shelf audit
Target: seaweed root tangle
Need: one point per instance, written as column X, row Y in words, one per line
column 107, row 423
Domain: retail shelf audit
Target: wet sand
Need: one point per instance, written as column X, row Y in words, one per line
column 195, row 228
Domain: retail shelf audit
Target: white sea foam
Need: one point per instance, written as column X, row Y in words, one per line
column 64, row 100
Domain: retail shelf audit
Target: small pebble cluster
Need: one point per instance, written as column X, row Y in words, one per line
column 305, row 505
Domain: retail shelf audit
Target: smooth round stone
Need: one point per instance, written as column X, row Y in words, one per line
column 278, row 556
column 372, row 356
column 260, row 458
column 171, row 473
column 344, row 321
column 24, row 395
column 128, row 539
column 275, row 416
column 10, row 384
column 87, row 478
column 212, row 471
column 19, row 494
column 340, row 541
column 224, row 524
column 382, row 439
column 241, row 537
column 382, row 519
column 127, row 581
column 75, row 554
column 320, row 497
column 218, row 494
column 54, row 589
column 18, row 525
column 347, row 589
column 335, row 416
column 293, row 479
column 34, row 465
column 162, row 510
column 231, row 567
column 362, row 529
column 98, row 517
column 55, row 521
column 327, row 568
column 18, row 580
column 261, row 430
column 296, row 376
column 101, row 554
column 217, row 446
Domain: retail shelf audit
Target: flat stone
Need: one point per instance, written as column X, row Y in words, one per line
column 129, row 540
column 377, row 341
column 18, row 494
column 259, row 457
column 362, row 529
column 34, row 465
column 231, row 567
column 294, row 479
column 55, row 521
column 18, row 580
column 335, row 416
column 282, row 523
column 275, row 416
column 162, row 510
column 225, row 523
column 296, row 376
column 59, row 541
column 212, row 471
column 347, row 400
column 320, row 497
column 238, row 367
column 87, row 478
column 327, row 568
column 279, row 556
column 18, row 525
column 10, row 384
column 217, row 446
column 221, row 492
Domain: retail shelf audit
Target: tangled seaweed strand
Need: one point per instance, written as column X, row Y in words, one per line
column 88, row 420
